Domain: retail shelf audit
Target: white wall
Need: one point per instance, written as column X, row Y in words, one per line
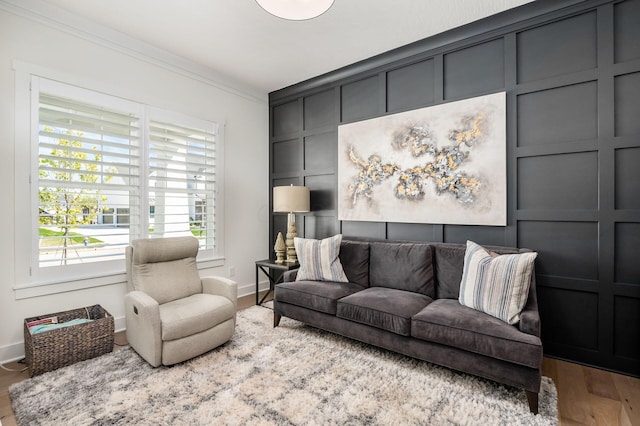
column 138, row 77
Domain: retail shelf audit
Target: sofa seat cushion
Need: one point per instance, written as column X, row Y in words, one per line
column 194, row 314
column 321, row 296
column 448, row 322
column 386, row 308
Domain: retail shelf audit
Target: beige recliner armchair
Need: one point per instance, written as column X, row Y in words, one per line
column 172, row 314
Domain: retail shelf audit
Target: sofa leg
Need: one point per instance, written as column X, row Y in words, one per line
column 276, row 319
column 532, row 397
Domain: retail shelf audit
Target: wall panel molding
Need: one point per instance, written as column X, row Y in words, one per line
column 571, row 71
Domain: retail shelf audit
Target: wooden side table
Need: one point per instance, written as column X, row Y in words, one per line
column 266, row 266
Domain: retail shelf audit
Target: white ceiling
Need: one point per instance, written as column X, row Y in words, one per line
column 237, row 38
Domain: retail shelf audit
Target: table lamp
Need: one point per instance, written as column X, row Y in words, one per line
column 291, row 200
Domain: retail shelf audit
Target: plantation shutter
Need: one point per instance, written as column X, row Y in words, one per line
column 182, row 178
column 88, row 180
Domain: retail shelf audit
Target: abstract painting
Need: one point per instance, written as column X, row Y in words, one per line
column 441, row 164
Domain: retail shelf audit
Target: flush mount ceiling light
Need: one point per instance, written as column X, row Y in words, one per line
column 296, row 10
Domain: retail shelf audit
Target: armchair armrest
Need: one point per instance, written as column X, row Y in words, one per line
column 222, row 287
column 144, row 329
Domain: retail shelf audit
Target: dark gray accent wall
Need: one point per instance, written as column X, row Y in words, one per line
column 571, row 71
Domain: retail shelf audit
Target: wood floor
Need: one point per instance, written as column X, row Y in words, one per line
column 586, row 396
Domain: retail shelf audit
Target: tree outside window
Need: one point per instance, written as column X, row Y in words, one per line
column 72, row 200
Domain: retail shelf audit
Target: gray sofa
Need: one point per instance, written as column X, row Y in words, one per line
column 404, row 297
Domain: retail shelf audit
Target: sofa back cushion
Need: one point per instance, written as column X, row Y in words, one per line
column 449, row 263
column 403, row 266
column 354, row 256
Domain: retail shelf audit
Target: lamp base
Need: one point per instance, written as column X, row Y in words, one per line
column 292, row 232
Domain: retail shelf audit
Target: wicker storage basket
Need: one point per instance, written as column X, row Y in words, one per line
column 64, row 346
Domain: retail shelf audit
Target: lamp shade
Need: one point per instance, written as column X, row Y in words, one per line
column 296, row 10
column 290, row 199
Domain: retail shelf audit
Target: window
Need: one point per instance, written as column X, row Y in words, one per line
column 107, row 171
column 88, row 180
column 181, row 181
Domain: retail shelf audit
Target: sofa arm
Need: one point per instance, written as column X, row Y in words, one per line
column 144, row 329
column 530, row 317
column 290, row 276
column 222, row 287
column 530, row 322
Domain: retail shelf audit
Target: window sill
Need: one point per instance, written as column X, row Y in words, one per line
column 27, row 291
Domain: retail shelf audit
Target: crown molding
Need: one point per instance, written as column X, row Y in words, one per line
column 62, row 20
column 493, row 26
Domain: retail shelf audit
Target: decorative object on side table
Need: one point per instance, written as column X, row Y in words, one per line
column 280, row 248
column 291, row 199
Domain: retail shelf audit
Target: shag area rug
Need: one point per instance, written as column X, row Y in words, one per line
column 291, row 375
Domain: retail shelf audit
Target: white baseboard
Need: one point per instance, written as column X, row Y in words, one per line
column 247, row 289
column 119, row 324
column 11, row 352
column 15, row 351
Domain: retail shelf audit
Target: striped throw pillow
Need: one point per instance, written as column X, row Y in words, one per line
column 496, row 284
column 319, row 259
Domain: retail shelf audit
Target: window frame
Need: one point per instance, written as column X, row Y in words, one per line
column 40, row 85
column 30, row 279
